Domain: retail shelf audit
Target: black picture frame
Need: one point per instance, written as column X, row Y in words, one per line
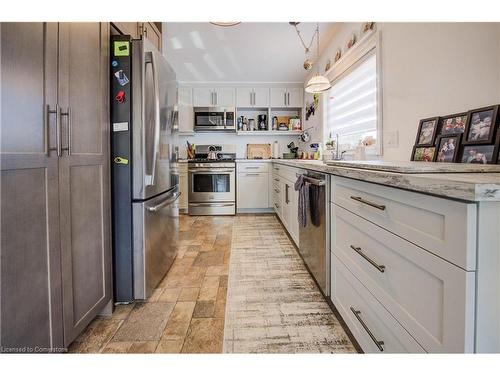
column 443, row 119
column 457, row 138
column 480, row 147
column 433, row 137
column 493, row 127
column 413, row 153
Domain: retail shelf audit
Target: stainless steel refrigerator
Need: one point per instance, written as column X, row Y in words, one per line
column 145, row 184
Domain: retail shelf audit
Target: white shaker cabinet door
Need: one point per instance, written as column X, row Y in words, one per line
column 252, row 190
column 203, row 97
column 278, row 97
column 244, row 97
column 225, row 97
column 295, row 97
column 261, row 97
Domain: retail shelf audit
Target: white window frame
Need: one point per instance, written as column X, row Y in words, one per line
column 366, row 47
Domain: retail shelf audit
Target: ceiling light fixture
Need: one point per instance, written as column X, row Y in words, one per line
column 318, row 83
column 225, row 24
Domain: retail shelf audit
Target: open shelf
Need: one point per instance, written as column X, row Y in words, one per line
column 270, row 132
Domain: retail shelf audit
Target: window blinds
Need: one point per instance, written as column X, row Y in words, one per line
column 352, row 104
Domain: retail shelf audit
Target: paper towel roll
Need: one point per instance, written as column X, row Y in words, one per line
column 276, row 150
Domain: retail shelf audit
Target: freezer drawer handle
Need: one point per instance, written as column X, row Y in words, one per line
column 357, row 314
column 361, row 200
column 164, row 203
column 380, row 267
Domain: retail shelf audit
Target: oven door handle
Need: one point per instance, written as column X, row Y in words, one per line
column 211, row 170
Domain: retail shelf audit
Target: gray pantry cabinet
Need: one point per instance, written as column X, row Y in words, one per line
column 55, row 184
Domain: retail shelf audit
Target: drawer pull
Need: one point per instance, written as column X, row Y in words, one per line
column 277, row 179
column 359, row 199
column 252, row 174
column 357, row 314
column 381, row 268
column 276, row 205
column 252, row 167
column 276, row 190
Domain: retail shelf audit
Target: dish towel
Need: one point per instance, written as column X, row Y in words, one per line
column 316, row 203
column 303, row 188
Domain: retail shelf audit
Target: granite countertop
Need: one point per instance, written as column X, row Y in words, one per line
column 450, row 181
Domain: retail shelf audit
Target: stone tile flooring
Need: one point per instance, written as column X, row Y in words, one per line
column 273, row 304
column 185, row 314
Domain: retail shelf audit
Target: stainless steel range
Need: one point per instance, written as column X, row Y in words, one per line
column 212, row 181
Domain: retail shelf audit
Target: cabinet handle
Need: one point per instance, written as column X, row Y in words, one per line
column 380, row 267
column 288, row 98
column 68, row 113
column 276, row 190
column 252, row 174
column 46, row 122
column 277, row 179
column 361, row 200
column 251, row 167
column 216, row 98
column 286, row 194
column 276, row 169
column 58, row 130
column 284, row 95
column 379, row 343
column 276, row 205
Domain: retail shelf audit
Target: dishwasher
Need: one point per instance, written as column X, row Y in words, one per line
column 313, row 241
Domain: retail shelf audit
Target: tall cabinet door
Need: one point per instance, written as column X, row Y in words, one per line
column 84, row 185
column 30, row 295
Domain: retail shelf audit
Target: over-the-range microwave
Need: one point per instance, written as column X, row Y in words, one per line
column 214, row 119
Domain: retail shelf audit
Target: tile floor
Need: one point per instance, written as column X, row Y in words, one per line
column 273, row 303
column 185, row 314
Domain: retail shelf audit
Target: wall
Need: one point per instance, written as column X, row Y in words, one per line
column 430, row 69
column 232, row 139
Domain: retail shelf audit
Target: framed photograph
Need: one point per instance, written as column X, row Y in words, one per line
column 481, row 126
column 447, row 148
column 427, row 130
column 453, row 124
column 478, row 154
column 423, row 153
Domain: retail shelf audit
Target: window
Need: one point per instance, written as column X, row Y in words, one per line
column 351, row 106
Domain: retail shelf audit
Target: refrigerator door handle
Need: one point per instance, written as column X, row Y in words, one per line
column 150, row 178
column 166, row 202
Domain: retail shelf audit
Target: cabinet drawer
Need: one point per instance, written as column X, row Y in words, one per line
column 253, row 167
column 431, row 298
column 286, row 172
column 367, row 319
column 444, row 227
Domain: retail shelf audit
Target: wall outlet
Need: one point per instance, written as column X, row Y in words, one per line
column 391, row 139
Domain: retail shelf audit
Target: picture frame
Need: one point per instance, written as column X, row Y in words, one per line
column 424, row 153
column 479, row 154
column 447, row 148
column 481, row 126
column 427, row 130
column 453, row 124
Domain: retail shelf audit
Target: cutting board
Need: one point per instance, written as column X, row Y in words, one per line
column 259, row 151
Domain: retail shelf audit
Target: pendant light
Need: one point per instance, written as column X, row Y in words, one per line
column 318, row 83
column 225, row 24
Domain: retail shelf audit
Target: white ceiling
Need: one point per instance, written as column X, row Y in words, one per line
column 248, row 52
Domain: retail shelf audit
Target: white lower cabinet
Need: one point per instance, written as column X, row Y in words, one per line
column 285, row 198
column 183, row 187
column 371, row 324
column 408, row 297
column 252, row 190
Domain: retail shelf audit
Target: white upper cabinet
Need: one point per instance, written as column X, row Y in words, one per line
column 224, row 97
column 278, row 97
column 203, row 97
column 295, row 97
column 287, row 97
column 186, row 114
column 212, row 97
column 248, row 97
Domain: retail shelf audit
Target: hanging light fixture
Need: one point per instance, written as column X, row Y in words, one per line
column 318, row 83
column 225, row 24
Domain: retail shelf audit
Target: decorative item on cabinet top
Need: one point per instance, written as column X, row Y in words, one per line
column 259, row 151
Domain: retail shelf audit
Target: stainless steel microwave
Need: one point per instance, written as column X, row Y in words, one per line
column 214, row 119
